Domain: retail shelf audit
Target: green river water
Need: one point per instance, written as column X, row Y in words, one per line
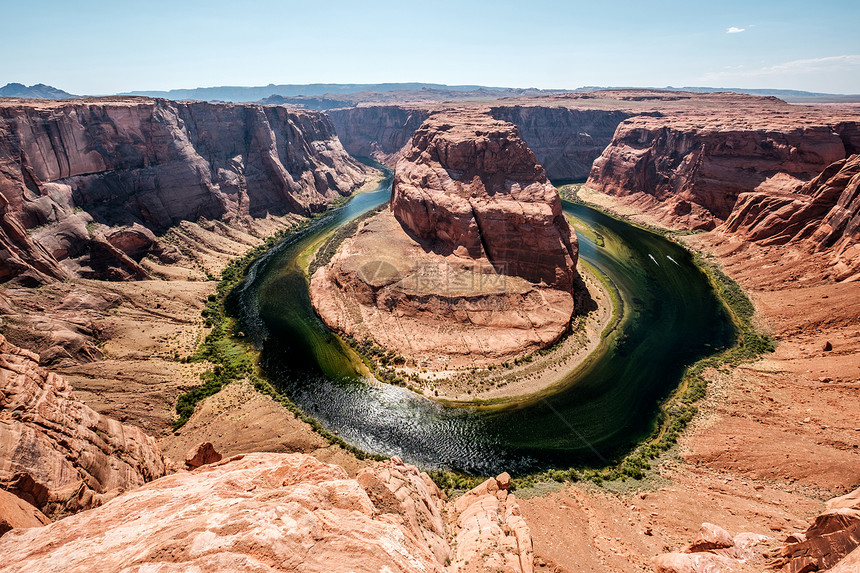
column 670, row 317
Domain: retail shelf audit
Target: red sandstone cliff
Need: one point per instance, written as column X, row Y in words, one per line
column 696, row 166
column 57, row 453
column 471, row 186
column 565, row 141
column 473, row 264
column 84, row 184
column 823, row 214
column 377, row 131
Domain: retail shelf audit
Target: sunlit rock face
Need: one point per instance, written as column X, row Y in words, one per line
column 474, row 262
column 84, row 184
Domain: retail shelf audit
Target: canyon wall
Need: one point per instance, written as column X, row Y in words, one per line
column 565, row 141
column 377, row 131
column 86, row 185
column 696, row 167
column 824, row 214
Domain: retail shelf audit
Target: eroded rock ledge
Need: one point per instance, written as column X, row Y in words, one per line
column 286, row 512
column 473, row 264
column 58, row 454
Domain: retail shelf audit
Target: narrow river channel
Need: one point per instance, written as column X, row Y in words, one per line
column 671, row 317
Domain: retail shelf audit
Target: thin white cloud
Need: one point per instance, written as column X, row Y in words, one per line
column 794, row 67
column 735, row 30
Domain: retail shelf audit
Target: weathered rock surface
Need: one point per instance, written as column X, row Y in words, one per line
column 711, row 537
column 377, row 131
column 779, row 217
column 55, row 452
column 473, row 264
column 490, row 532
column 280, row 512
column 693, row 166
column 693, row 563
column 850, row 564
column 833, row 535
column 16, row 513
column 565, row 141
column 715, row 551
column 824, row 213
column 200, row 455
column 84, row 184
column 470, row 186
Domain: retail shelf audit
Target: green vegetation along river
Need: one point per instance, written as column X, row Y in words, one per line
column 670, row 318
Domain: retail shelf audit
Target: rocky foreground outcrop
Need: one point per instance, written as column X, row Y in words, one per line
column 474, row 262
column 831, row 543
column 715, row 551
column 57, row 453
column 285, row 512
column 16, row 513
column 87, row 185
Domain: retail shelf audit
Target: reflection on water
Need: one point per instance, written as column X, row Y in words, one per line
column 671, row 318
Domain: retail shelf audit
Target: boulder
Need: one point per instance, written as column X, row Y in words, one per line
column 710, row 537
column 200, row 455
column 17, row 513
column 693, row 563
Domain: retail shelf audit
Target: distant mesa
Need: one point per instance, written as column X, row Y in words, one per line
column 473, row 264
column 37, row 91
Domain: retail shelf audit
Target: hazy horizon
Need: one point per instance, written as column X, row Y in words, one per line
column 99, row 48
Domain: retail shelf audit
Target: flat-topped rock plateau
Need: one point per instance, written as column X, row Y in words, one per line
column 474, row 263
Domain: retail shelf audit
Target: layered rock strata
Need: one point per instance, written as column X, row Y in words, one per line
column 86, row 185
column 377, row 131
column 285, row 512
column 473, row 263
column 824, row 213
column 695, row 166
column 565, row 141
column 57, row 453
column 832, row 541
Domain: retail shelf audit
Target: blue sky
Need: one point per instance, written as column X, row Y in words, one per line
column 99, row 47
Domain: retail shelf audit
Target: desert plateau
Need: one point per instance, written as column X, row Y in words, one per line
column 403, row 327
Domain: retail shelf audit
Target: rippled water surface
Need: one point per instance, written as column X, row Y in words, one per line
column 671, row 318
